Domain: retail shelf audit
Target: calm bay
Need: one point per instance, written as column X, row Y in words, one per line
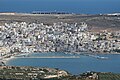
column 73, row 64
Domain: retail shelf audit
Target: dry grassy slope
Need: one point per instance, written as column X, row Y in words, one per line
column 96, row 22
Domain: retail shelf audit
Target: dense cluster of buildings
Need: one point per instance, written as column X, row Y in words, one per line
column 22, row 37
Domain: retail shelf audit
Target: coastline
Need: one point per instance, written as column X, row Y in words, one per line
column 5, row 60
column 90, row 54
column 83, row 61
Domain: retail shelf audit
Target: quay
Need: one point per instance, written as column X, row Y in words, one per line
column 50, row 57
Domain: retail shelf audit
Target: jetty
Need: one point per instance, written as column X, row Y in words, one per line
column 48, row 57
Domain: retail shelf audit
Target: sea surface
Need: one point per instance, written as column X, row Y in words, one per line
column 72, row 65
column 71, row 6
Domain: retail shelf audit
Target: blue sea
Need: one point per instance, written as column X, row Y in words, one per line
column 71, row 6
column 72, row 65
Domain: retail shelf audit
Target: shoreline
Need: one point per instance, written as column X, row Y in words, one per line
column 5, row 60
column 94, row 53
column 90, row 54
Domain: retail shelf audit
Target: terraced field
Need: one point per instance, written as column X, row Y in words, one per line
column 108, row 76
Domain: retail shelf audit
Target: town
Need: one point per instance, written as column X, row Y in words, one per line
column 22, row 37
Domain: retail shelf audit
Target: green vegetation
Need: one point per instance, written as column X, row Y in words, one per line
column 35, row 73
column 108, row 76
column 30, row 73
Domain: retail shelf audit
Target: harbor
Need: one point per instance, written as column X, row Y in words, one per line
column 73, row 65
column 3, row 60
